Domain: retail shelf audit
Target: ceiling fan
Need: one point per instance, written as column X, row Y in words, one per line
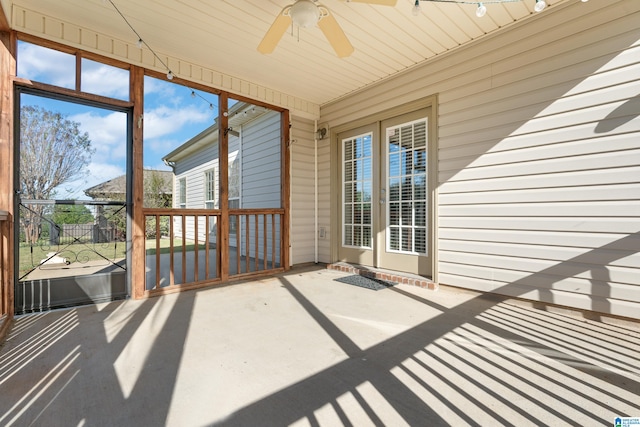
column 307, row 13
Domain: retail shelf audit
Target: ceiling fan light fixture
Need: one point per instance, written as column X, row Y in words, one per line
column 305, row 13
column 540, row 5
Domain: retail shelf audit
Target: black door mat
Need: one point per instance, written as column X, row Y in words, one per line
column 366, row 282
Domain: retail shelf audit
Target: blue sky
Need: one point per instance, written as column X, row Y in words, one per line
column 172, row 115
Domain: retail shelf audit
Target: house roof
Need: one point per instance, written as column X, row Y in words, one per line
column 117, row 186
column 216, row 41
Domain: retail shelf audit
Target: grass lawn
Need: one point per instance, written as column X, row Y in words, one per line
column 165, row 246
column 32, row 256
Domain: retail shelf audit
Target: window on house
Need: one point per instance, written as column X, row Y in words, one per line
column 182, row 191
column 210, row 189
column 234, row 191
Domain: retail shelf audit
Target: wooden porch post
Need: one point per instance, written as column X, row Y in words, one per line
column 138, row 223
column 7, row 72
column 223, row 170
column 286, row 188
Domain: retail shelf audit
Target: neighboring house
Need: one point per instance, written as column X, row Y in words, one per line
column 158, row 181
column 158, row 194
column 253, row 173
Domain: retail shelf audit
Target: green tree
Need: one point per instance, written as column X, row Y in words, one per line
column 156, row 195
column 71, row 214
column 53, row 151
column 157, row 190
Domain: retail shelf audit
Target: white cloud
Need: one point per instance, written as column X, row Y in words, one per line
column 160, row 147
column 108, row 133
column 105, row 80
column 156, row 86
column 163, row 120
column 46, row 65
column 101, row 172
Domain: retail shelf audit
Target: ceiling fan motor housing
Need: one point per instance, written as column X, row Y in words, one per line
column 305, row 13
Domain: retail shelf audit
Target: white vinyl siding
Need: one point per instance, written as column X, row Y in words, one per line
column 261, row 172
column 538, row 193
column 261, row 162
column 302, row 192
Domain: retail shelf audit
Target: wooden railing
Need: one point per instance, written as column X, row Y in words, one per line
column 258, row 242
column 183, row 249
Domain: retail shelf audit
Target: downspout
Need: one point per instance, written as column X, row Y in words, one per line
column 315, row 180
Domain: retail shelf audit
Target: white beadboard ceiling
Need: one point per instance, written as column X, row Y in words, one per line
column 223, row 35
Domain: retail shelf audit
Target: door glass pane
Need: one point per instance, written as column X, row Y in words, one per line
column 366, row 235
column 393, row 238
column 406, row 239
column 407, row 213
column 366, row 213
column 348, row 171
column 394, row 214
column 407, row 184
column 357, row 193
column 394, row 189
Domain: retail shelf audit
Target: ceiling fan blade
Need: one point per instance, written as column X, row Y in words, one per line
column 333, row 32
column 276, row 31
column 379, row 2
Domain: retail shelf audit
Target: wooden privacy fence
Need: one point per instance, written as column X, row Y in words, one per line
column 183, row 247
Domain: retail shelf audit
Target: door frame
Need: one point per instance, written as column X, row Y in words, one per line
column 93, row 102
column 376, row 119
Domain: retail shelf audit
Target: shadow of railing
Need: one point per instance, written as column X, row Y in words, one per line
column 483, row 362
column 127, row 375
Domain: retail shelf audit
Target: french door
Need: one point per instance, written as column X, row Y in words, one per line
column 385, row 202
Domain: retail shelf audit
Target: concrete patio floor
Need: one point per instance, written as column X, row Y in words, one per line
column 303, row 349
